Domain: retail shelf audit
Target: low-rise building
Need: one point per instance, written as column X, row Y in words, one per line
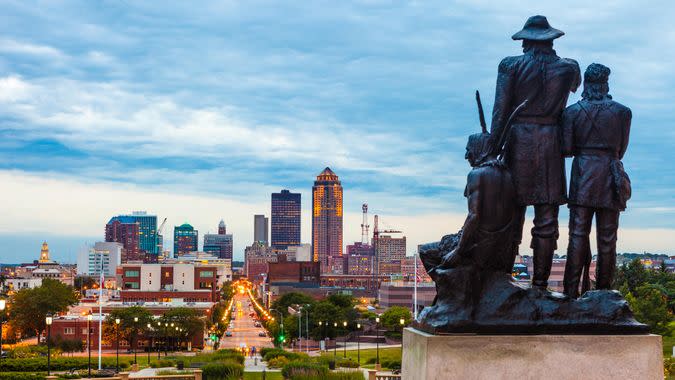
column 399, row 293
column 256, row 259
column 166, row 282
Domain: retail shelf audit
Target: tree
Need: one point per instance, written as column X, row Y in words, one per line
column 342, row 301
column 632, row 274
column 188, row 321
column 650, row 306
column 30, row 307
column 82, row 283
column 391, row 319
column 129, row 328
column 290, row 299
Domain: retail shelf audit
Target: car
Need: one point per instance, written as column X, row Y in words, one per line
column 262, row 334
column 257, row 324
column 228, row 333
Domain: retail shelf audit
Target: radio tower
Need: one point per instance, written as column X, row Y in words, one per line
column 364, row 224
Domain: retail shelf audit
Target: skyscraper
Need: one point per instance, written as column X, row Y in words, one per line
column 148, row 240
column 260, row 229
column 124, row 229
column 185, row 239
column 390, row 254
column 220, row 244
column 285, row 219
column 326, row 218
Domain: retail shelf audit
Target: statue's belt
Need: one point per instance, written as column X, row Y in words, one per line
column 542, row 120
column 596, row 152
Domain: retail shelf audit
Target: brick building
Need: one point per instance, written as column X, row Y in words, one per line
column 165, row 282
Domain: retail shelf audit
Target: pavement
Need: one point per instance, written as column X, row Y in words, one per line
column 244, row 332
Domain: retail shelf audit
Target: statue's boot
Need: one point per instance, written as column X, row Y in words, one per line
column 543, row 260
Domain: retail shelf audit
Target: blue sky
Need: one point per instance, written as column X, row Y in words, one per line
column 198, row 113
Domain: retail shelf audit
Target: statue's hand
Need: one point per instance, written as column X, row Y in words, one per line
column 451, row 260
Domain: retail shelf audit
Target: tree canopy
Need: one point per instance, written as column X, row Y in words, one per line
column 30, row 307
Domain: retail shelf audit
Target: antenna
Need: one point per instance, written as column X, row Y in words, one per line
column 364, row 224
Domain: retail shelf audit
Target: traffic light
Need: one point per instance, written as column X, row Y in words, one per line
column 282, row 338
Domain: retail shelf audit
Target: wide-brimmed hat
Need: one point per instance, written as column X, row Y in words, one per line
column 537, row 28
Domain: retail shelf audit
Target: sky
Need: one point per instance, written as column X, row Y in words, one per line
column 197, row 112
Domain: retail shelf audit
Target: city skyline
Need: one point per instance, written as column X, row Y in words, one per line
column 105, row 111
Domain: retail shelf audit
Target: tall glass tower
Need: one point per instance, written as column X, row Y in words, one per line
column 185, row 239
column 285, row 219
column 326, row 219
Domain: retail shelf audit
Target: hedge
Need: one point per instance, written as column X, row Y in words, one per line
column 57, row 364
column 291, row 356
column 304, row 370
column 228, row 370
column 21, row 376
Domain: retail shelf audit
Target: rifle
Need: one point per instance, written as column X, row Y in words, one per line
column 481, row 115
column 499, row 148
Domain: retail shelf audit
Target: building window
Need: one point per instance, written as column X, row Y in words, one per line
column 68, row 331
column 206, row 273
column 84, row 331
column 204, row 285
column 131, row 273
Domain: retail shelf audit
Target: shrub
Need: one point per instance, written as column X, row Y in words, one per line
column 355, row 375
column 278, row 362
column 347, row 363
column 391, row 364
column 223, row 371
column 20, row 376
column 163, row 363
column 230, row 354
column 291, row 356
column 297, row 370
column 371, row 361
column 265, row 350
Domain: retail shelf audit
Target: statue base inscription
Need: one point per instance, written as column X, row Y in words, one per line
column 468, row 356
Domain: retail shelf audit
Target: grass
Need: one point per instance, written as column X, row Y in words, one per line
column 258, row 376
column 668, row 343
column 386, row 354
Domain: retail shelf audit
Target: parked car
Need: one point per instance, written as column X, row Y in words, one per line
column 262, row 334
column 228, row 333
column 257, row 324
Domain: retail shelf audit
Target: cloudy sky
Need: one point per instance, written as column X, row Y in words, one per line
column 199, row 112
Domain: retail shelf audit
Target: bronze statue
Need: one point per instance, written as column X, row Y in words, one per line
column 533, row 150
column 595, row 132
column 472, row 268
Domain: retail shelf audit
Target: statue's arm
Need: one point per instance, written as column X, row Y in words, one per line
column 503, row 97
column 567, row 130
column 473, row 218
column 626, row 132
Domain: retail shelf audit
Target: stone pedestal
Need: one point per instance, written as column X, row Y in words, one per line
column 551, row 357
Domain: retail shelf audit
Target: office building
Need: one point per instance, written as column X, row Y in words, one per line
column 103, row 256
column 256, row 258
column 285, row 219
column 125, row 230
column 220, row 244
column 326, row 218
column 188, row 282
column 260, row 229
column 185, row 239
column 390, row 253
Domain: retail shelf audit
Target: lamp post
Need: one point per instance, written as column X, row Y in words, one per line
column 151, row 339
column 133, row 347
column 171, row 338
column 321, row 332
column 358, row 344
column 166, row 339
column 49, row 321
column 3, row 304
column 89, row 319
column 177, row 340
column 344, row 355
column 159, row 349
column 117, row 344
column 335, row 344
column 377, row 342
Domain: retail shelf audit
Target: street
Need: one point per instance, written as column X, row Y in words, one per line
column 244, row 332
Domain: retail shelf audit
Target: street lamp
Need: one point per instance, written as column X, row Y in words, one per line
column 166, row 339
column 150, row 345
column 49, row 321
column 335, row 343
column 132, row 339
column 159, row 349
column 358, row 344
column 344, row 355
column 3, row 304
column 281, row 321
column 89, row 319
column 377, row 342
column 321, row 332
column 117, row 328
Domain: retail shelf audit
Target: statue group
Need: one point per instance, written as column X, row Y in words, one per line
column 521, row 163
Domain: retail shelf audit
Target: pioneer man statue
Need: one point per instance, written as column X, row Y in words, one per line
column 533, row 150
column 595, row 132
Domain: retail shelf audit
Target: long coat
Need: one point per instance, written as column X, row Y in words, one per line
column 595, row 146
column 533, row 149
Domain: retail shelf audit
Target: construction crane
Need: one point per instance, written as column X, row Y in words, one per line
column 376, row 238
column 159, row 236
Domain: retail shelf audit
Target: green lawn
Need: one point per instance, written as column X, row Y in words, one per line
column 668, row 343
column 386, row 354
column 258, row 376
